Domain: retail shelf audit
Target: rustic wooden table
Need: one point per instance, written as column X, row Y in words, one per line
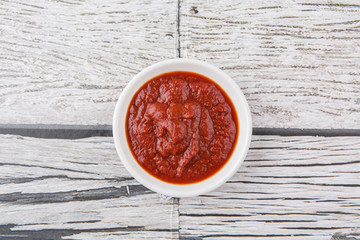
column 63, row 64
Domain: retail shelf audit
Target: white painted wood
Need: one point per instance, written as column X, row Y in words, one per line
column 298, row 62
column 79, row 190
column 288, row 188
column 66, row 62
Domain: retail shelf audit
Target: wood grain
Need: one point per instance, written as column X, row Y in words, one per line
column 298, row 62
column 288, row 188
column 66, row 62
column 76, row 189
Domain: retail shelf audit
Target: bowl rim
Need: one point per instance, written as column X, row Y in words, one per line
column 242, row 143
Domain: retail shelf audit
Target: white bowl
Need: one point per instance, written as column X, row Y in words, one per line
column 242, row 144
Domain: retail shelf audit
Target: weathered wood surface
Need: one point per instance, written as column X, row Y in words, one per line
column 66, row 62
column 77, row 189
column 298, row 62
column 288, row 188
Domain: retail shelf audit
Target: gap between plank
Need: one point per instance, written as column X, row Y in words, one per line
column 84, row 131
column 56, row 131
column 178, row 46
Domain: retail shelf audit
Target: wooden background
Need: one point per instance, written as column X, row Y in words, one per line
column 63, row 65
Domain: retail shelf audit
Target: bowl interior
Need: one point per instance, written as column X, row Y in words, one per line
column 242, row 144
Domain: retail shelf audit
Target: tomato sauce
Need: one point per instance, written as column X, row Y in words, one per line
column 181, row 127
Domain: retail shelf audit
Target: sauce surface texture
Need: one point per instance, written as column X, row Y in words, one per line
column 181, row 127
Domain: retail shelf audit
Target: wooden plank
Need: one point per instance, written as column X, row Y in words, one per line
column 76, row 189
column 288, row 188
column 297, row 62
column 66, row 62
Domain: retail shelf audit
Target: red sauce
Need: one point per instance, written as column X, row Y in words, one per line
column 181, row 127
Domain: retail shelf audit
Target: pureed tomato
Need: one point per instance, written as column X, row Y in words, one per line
column 181, row 127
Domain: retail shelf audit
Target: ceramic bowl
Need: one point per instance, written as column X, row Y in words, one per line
column 242, row 144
